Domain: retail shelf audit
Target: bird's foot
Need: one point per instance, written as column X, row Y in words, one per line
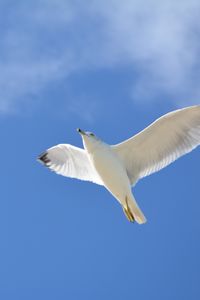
column 128, row 212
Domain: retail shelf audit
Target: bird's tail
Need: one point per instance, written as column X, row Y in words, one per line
column 134, row 209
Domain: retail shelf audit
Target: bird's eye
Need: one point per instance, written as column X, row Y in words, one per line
column 91, row 134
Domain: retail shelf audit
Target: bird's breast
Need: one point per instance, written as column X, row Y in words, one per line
column 111, row 171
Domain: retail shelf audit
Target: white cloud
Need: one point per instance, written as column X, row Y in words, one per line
column 160, row 40
column 47, row 40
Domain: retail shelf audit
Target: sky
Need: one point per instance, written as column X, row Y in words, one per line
column 110, row 67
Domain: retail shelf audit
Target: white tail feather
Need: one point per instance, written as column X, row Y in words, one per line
column 136, row 211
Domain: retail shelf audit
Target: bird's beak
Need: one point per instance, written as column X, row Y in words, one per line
column 80, row 131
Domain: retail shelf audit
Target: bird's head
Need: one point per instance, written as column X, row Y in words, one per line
column 90, row 140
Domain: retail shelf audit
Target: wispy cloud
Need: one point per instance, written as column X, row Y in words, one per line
column 160, row 41
column 43, row 41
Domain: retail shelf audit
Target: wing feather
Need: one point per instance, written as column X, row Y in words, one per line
column 161, row 143
column 70, row 161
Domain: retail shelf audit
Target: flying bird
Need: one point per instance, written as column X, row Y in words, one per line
column 119, row 167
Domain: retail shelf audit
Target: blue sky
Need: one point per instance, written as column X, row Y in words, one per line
column 111, row 67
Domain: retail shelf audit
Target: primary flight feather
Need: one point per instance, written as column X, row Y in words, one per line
column 120, row 166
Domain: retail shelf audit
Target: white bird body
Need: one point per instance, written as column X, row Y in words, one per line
column 111, row 171
column 120, row 166
column 113, row 174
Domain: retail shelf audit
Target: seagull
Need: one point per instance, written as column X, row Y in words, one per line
column 119, row 167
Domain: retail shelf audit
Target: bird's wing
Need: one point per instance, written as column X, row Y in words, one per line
column 70, row 161
column 161, row 143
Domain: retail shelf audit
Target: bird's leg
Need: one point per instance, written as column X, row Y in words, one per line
column 128, row 212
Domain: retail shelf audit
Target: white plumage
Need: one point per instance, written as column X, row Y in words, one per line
column 120, row 166
column 71, row 161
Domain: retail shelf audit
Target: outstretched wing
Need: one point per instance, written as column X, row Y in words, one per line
column 161, row 143
column 70, row 161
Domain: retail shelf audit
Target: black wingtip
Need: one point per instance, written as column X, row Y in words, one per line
column 43, row 158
